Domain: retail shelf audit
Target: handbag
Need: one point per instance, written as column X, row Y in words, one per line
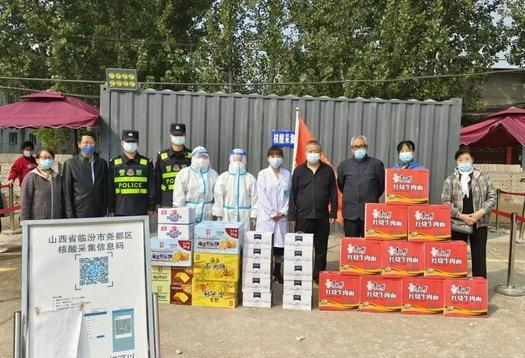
column 461, row 227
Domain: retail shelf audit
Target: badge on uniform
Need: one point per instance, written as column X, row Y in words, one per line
column 121, row 172
column 176, row 168
column 139, row 172
column 168, row 168
column 130, row 172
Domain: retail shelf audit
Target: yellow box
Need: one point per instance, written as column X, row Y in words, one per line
column 160, row 269
column 164, row 298
column 220, row 294
column 160, row 287
column 216, row 267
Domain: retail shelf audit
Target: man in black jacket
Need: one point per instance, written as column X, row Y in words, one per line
column 85, row 181
column 313, row 191
column 361, row 179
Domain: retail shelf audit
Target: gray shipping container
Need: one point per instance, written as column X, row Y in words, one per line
column 221, row 122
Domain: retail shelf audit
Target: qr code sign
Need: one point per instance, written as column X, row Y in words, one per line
column 93, row 270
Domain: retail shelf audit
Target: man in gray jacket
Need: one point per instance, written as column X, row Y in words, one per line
column 361, row 179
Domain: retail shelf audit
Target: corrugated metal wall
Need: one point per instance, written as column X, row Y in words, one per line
column 221, row 122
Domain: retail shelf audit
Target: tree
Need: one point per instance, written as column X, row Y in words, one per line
column 515, row 11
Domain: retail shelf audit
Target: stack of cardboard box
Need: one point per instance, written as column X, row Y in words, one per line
column 216, row 271
column 257, row 269
column 298, row 271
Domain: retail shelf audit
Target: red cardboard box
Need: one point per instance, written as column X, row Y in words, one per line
column 359, row 256
column 429, row 223
column 379, row 294
column 423, row 295
column 406, row 186
column 387, row 222
column 467, row 297
column 403, row 258
column 338, row 292
column 446, row 259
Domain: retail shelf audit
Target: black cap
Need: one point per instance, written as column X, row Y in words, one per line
column 178, row 129
column 130, row 136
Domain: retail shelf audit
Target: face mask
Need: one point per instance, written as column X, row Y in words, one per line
column 178, row 140
column 46, row 164
column 275, row 162
column 313, row 158
column 130, row 147
column 28, row 153
column 202, row 163
column 88, row 149
column 465, row 168
column 406, row 157
column 360, row 153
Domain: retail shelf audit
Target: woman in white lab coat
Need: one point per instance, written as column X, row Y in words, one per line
column 273, row 191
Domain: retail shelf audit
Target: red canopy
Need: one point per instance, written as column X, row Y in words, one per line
column 48, row 109
column 501, row 129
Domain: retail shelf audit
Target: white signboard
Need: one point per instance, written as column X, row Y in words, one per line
column 85, row 281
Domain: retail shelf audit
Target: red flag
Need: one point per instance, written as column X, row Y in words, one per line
column 303, row 136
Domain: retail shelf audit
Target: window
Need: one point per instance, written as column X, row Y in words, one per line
column 32, row 138
column 13, row 138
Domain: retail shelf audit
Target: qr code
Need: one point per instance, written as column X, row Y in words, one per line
column 123, row 327
column 93, row 270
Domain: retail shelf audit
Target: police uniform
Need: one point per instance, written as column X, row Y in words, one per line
column 168, row 165
column 131, row 182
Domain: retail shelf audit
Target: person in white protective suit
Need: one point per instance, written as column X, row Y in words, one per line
column 273, row 191
column 236, row 193
column 194, row 185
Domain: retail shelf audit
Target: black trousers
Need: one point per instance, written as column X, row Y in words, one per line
column 478, row 249
column 321, row 230
column 354, row 228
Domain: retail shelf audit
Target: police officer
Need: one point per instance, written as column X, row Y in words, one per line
column 169, row 163
column 131, row 180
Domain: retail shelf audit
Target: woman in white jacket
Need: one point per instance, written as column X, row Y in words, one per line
column 273, row 191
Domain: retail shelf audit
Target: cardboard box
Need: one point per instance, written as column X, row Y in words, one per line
column 360, row 257
column 162, row 289
column 257, row 266
column 407, row 186
column 257, row 281
column 403, row 258
column 298, row 253
column 429, row 223
column 297, row 301
column 160, row 269
column 297, row 270
column 181, row 295
column 256, row 298
column 446, row 259
column 296, row 239
column 183, row 215
column 257, row 252
column 423, row 295
column 220, row 294
column 338, row 292
column 297, row 285
column 218, row 237
column 386, row 222
column 171, row 252
column 380, row 294
column 181, row 275
column 176, row 232
column 466, row 297
column 258, row 239
column 216, row 267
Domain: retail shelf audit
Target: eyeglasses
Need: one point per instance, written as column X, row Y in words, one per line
column 86, row 143
column 362, row 146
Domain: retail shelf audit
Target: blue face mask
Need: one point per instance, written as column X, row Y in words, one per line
column 465, row 168
column 130, row 147
column 88, row 149
column 360, row 153
column 313, row 158
column 46, row 164
column 406, row 157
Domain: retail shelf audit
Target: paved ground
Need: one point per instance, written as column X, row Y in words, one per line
column 250, row 332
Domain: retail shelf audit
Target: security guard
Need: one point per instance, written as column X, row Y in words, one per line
column 169, row 163
column 131, row 180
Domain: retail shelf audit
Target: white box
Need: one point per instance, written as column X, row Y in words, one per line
column 184, row 215
column 296, row 270
column 257, row 281
column 175, row 232
column 259, row 266
column 299, row 253
column 258, row 239
column 256, row 298
column 170, row 252
column 296, row 239
column 297, row 285
column 298, row 301
column 256, row 252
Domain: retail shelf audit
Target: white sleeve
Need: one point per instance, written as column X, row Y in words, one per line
column 254, row 197
column 179, row 195
column 218, row 196
column 284, row 208
column 265, row 204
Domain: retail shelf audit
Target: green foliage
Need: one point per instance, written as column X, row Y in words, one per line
column 53, row 138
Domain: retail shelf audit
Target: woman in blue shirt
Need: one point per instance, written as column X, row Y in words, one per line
column 406, row 150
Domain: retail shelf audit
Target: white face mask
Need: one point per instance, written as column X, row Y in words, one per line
column 178, row 140
column 275, row 162
column 28, row 153
column 130, row 147
column 202, row 163
column 313, row 158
